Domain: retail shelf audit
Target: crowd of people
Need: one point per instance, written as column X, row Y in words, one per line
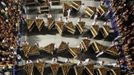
column 124, row 16
column 9, row 22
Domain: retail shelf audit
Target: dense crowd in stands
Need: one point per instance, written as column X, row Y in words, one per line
column 124, row 16
column 9, row 20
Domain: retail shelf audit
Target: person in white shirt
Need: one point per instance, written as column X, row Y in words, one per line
column 40, row 60
column 26, row 43
column 105, row 23
column 50, row 3
column 60, row 19
column 7, row 20
column 3, row 41
column 29, row 61
column 79, row 62
column 36, row 44
column 79, row 19
column 6, row 9
column 18, row 57
column 67, row 60
column 37, row 17
column 66, row 20
column 37, row 61
column 68, row 13
column 3, row 59
column 95, row 19
column 11, row 47
column 101, row 63
column 54, row 60
column 86, row 61
column 81, row 9
column 49, row 15
column 102, row 2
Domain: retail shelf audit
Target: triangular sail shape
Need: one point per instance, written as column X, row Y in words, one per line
column 49, row 48
column 50, row 23
column 55, row 68
column 74, row 51
column 94, row 30
column 90, row 69
column 90, row 11
column 112, row 50
column 28, row 69
column 85, row 44
column 65, row 68
column 30, row 23
column 63, row 46
column 34, row 50
column 81, row 23
column 39, row 23
column 102, row 10
column 40, row 67
column 115, row 71
column 70, row 27
column 66, row 7
column 105, row 30
column 75, row 4
column 102, row 71
column 26, row 49
column 80, row 27
column 59, row 27
column 97, row 47
column 78, row 69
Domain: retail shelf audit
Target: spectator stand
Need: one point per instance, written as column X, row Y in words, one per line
column 111, row 16
column 123, row 56
column 20, row 32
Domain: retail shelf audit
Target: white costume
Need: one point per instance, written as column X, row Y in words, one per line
column 54, row 60
column 66, row 21
column 50, row 3
column 49, row 15
column 95, row 18
column 67, row 60
column 99, row 54
column 81, row 9
column 68, row 13
column 86, row 61
column 78, row 63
